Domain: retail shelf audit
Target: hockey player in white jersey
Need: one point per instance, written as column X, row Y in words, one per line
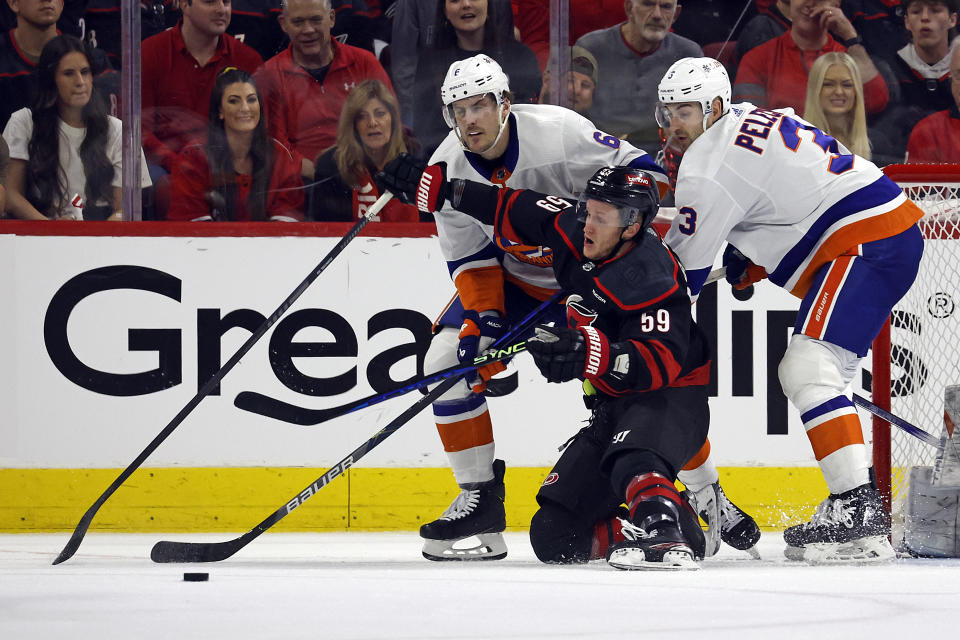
column 798, row 208
column 541, row 147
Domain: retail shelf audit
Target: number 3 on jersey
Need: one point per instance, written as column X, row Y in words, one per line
column 790, row 133
column 688, row 223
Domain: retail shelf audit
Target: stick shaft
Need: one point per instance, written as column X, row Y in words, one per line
column 81, row 529
column 897, row 421
column 167, row 551
column 279, row 410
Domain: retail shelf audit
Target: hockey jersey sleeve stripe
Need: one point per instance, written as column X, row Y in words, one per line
column 482, row 289
column 505, row 201
column 571, row 246
column 656, row 378
column 668, row 361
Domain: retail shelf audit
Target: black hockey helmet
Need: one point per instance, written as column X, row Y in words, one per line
column 633, row 191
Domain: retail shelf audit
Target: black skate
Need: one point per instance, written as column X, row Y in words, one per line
column 660, row 548
column 476, row 513
column 737, row 528
column 850, row 527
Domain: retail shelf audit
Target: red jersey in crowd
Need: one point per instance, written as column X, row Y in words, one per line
column 175, row 90
column 302, row 112
column 774, row 75
column 936, row 138
column 192, row 182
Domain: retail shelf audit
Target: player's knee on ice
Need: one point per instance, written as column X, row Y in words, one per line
column 558, row 538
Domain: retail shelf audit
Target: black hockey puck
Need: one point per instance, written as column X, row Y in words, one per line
column 196, row 577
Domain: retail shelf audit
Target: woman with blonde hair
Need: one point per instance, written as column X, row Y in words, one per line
column 835, row 101
column 369, row 135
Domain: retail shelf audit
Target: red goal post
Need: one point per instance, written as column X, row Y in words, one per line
column 917, row 354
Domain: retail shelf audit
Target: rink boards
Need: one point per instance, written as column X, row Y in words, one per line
column 104, row 337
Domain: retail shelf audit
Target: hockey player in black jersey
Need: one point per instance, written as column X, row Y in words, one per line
column 632, row 340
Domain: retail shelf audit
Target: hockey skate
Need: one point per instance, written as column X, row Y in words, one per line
column 737, row 528
column 661, row 548
column 847, row 528
column 477, row 513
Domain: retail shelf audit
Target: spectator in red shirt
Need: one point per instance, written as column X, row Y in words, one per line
column 306, row 84
column 936, row 138
column 239, row 173
column 369, row 136
column 532, row 19
column 179, row 68
column 774, row 74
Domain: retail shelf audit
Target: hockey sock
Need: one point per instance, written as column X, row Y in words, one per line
column 699, row 471
column 833, row 428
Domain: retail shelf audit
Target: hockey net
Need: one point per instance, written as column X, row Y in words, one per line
column 917, row 355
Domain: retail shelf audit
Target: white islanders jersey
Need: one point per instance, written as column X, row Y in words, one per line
column 552, row 150
column 788, row 196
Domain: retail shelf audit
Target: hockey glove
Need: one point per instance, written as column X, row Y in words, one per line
column 567, row 354
column 401, row 177
column 741, row 271
column 477, row 334
column 558, row 352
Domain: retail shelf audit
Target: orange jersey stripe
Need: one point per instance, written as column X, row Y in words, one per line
column 835, row 434
column 466, row 434
column 535, row 292
column 884, row 225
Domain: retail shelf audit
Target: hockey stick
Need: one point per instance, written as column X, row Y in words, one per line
column 167, row 551
column 897, row 421
column 279, row 410
column 81, row 529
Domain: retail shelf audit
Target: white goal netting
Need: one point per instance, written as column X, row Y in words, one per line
column 924, row 337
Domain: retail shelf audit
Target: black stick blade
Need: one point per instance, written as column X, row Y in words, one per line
column 277, row 409
column 72, row 544
column 165, row 551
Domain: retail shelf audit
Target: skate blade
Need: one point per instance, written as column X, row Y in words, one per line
column 753, row 552
column 633, row 559
column 868, row 550
column 483, row 546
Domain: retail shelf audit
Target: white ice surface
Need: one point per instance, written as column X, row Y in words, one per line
column 376, row 585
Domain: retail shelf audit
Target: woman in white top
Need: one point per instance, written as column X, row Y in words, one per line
column 65, row 151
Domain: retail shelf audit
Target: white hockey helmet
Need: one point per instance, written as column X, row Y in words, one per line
column 477, row 75
column 697, row 80
column 472, row 77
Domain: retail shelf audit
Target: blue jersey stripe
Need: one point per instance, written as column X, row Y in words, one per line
column 873, row 195
column 488, row 252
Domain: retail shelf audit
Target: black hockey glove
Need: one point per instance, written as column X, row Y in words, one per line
column 564, row 354
column 741, row 271
column 401, row 177
column 558, row 352
column 414, row 182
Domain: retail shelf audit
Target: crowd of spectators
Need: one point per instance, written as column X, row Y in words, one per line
column 285, row 109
